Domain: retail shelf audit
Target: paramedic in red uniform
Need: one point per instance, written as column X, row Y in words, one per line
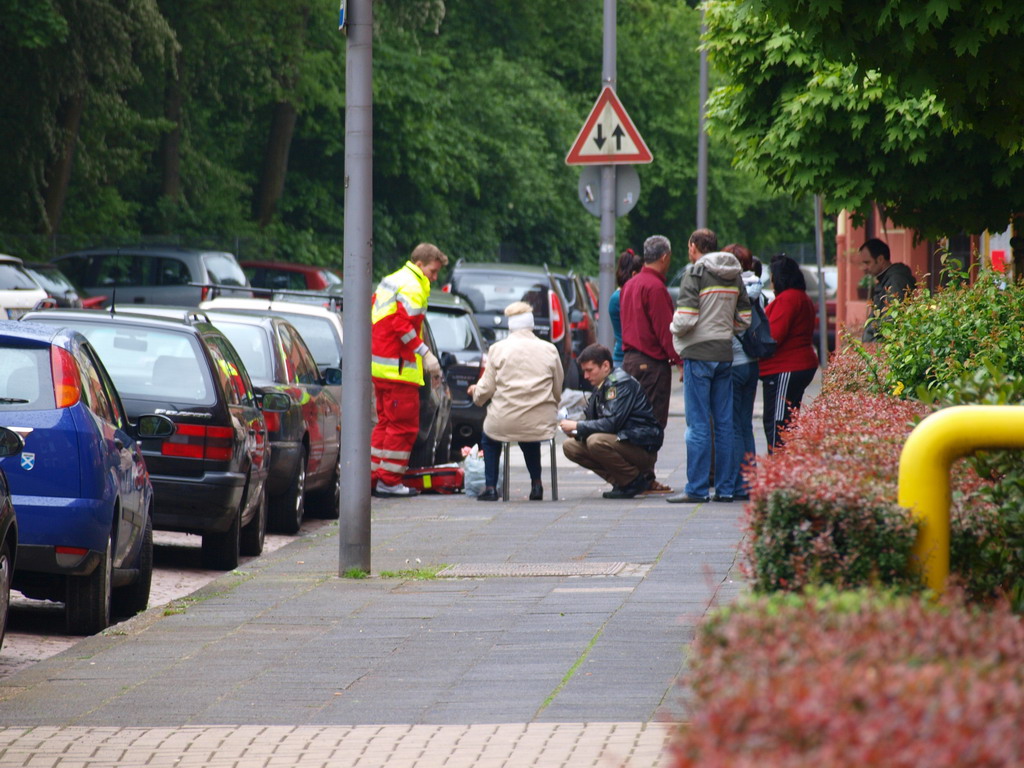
column 399, row 358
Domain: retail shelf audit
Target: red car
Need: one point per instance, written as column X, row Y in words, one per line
column 286, row 276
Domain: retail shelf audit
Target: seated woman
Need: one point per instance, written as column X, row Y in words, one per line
column 523, row 384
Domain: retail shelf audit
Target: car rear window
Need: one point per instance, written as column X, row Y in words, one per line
column 276, row 279
column 253, row 346
column 14, row 278
column 453, row 331
column 25, row 381
column 319, row 335
column 223, row 269
column 492, row 292
column 52, row 279
column 153, row 364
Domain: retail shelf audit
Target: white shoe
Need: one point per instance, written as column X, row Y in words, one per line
column 398, row 490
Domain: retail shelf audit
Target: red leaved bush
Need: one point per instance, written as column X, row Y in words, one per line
column 892, row 683
column 843, row 448
column 823, row 507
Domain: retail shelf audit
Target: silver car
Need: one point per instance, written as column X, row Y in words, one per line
column 153, row 275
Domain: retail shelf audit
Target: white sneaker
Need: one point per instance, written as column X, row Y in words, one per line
column 398, row 490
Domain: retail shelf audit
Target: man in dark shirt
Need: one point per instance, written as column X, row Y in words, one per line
column 618, row 438
column 892, row 281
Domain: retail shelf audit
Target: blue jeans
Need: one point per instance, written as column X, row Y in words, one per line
column 707, row 395
column 492, row 456
column 744, row 390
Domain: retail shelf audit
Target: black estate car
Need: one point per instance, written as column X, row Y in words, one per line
column 462, row 357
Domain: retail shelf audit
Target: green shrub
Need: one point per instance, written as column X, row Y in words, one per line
column 935, row 338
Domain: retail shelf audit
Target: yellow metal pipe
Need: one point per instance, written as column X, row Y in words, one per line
column 925, row 462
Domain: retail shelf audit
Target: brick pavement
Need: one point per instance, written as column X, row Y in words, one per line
column 397, row 746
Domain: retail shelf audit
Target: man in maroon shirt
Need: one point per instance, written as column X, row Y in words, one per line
column 646, row 309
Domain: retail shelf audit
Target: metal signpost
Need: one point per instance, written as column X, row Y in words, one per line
column 354, row 516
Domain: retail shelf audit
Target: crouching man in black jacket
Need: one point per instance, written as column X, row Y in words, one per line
column 620, row 437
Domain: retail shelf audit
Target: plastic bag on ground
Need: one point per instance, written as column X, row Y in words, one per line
column 573, row 404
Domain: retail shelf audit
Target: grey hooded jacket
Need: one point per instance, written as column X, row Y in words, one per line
column 713, row 307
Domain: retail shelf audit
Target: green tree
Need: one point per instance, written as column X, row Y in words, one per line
column 64, row 107
column 658, row 83
column 809, row 124
column 970, row 54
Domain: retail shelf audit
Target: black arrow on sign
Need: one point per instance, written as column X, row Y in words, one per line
column 600, row 140
column 618, row 133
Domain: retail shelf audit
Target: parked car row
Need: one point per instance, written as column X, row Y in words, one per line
column 181, row 408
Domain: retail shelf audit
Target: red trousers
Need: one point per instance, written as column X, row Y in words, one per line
column 398, row 423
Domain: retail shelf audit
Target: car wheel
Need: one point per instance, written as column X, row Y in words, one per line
column 325, row 503
column 255, row 533
column 133, row 598
column 286, row 510
column 87, row 598
column 220, row 550
column 6, row 574
column 442, row 454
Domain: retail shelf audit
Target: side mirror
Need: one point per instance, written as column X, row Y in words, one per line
column 155, row 426
column 576, row 316
column 274, row 402
column 447, row 360
column 331, row 376
column 11, row 442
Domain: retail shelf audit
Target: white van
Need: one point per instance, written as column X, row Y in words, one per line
column 18, row 291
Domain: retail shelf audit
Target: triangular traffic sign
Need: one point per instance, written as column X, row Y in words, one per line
column 608, row 136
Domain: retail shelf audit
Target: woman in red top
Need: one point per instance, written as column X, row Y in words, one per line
column 786, row 374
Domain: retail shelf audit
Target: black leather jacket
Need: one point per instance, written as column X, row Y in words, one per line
column 895, row 283
column 620, row 407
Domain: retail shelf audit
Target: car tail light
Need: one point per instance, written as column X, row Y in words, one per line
column 196, row 441
column 204, row 293
column 557, row 317
column 446, row 288
column 61, row 550
column 67, row 381
column 69, row 557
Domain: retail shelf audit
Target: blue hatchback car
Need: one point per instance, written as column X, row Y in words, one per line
column 80, row 484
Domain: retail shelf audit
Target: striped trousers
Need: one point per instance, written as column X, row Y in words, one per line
column 782, row 394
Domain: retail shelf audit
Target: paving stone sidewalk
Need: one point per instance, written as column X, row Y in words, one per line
column 286, row 663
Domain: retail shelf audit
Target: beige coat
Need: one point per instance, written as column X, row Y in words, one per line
column 523, row 382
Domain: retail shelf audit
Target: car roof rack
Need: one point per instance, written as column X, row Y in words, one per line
column 335, row 300
column 188, row 315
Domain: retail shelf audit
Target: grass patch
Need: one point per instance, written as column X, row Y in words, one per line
column 415, row 574
column 355, row 573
